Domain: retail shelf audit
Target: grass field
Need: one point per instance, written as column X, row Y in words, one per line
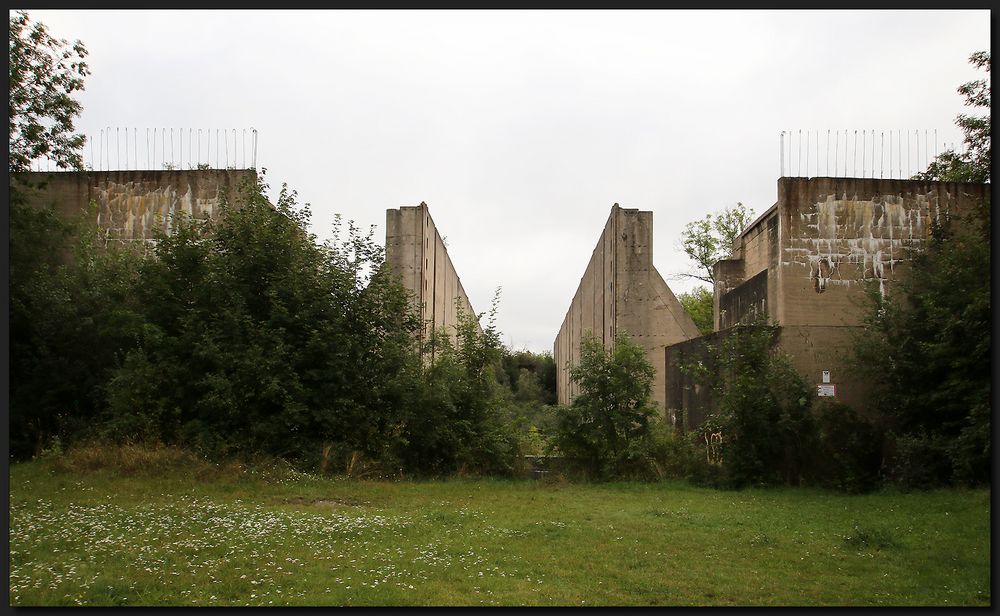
column 191, row 537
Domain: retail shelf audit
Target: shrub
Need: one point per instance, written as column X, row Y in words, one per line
column 689, row 460
column 763, row 409
column 927, row 345
column 920, row 461
column 850, row 456
column 606, row 428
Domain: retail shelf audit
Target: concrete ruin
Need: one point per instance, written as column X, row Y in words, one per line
column 131, row 204
column 621, row 292
column 416, row 252
column 803, row 265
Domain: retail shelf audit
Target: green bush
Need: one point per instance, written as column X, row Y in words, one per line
column 605, row 431
column 850, row 457
column 928, row 345
column 763, row 409
column 920, row 461
column 685, row 457
column 73, row 315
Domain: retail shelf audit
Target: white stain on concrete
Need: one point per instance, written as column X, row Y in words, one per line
column 848, row 240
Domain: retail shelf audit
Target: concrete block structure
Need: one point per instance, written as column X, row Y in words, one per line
column 803, row 265
column 415, row 251
column 130, row 204
column 621, row 292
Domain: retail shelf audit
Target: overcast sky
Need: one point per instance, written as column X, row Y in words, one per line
column 520, row 129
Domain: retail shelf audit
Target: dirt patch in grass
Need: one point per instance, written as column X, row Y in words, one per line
column 330, row 503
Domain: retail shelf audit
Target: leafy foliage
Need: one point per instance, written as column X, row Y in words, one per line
column 928, row 345
column 44, row 74
column 850, row 455
column 763, row 409
column 699, row 305
column 606, row 425
column 460, row 421
column 72, row 310
column 242, row 336
column 974, row 164
column 258, row 339
column 531, row 376
column 710, row 239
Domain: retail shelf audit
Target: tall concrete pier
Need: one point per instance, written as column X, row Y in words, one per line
column 621, row 292
column 415, row 251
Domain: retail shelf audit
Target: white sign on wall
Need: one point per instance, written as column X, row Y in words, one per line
column 826, row 376
column 826, row 390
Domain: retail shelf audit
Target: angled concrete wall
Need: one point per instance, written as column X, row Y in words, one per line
column 415, row 251
column 130, row 204
column 621, row 292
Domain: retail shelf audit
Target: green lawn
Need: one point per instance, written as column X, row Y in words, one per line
column 102, row 539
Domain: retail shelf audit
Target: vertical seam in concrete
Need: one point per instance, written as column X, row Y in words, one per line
column 434, row 282
column 604, row 289
column 422, row 270
column 614, row 267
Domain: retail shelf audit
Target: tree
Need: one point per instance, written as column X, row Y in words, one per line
column 699, row 304
column 927, row 345
column 73, row 313
column 44, row 74
column 536, row 370
column 605, row 427
column 459, row 419
column 974, row 164
column 711, row 239
column 256, row 339
column 762, row 407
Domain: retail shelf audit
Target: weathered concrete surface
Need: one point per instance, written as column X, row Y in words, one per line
column 812, row 350
column 621, row 292
column 839, row 232
column 803, row 265
column 130, row 204
column 415, row 251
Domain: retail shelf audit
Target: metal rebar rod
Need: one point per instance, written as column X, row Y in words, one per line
column 807, row 153
column 798, row 164
column 873, row 153
column 836, row 153
column 781, row 155
column 881, row 156
column 855, row 153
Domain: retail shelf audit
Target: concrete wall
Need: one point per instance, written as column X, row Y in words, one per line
column 838, row 232
column 805, row 263
column 621, row 292
column 130, row 204
column 416, row 252
column 754, row 252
